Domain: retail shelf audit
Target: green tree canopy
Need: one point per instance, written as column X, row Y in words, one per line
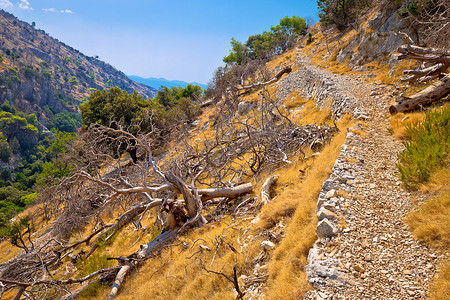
column 115, row 105
column 276, row 41
column 65, row 121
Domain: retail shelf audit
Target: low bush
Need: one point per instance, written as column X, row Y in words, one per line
column 427, row 145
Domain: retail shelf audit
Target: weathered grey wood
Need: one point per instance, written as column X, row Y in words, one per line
column 265, row 189
column 423, row 98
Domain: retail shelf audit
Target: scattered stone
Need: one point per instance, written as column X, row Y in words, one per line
column 376, row 250
column 267, row 245
column 325, row 213
column 358, row 268
column 326, row 229
column 331, row 194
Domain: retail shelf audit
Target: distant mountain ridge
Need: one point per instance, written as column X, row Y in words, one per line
column 158, row 82
column 41, row 75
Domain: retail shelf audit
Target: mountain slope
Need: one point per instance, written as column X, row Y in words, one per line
column 158, row 82
column 37, row 70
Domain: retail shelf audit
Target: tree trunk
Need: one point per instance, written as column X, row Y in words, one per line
column 119, row 279
column 265, row 189
column 423, row 98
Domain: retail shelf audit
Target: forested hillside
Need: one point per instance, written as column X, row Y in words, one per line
column 42, row 83
column 41, row 75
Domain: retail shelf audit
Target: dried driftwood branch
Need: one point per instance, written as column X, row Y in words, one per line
column 441, row 62
column 275, row 78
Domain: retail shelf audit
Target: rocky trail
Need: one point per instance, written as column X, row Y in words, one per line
column 364, row 249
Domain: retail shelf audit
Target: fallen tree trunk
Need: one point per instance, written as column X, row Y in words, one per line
column 118, row 281
column 441, row 60
column 423, row 98
column 231, row 192
column 207, row 103
column 277, row 77
column 424, row 54
column 427, row 73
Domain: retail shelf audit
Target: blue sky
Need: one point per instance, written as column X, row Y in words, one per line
column 183, row 40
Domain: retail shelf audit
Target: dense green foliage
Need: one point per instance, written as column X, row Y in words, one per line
column 427, row 147
column 340, row 12
column 19, row 233
column 269, row 43
column 116, row 108
column 116, row 105
column 179, row 104
column 132, row 111
column 26, row 155
column 65, row 121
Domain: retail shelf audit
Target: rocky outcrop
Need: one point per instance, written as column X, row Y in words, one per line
column 377, row 40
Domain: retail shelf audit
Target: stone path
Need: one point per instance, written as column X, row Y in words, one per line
column 366, row 251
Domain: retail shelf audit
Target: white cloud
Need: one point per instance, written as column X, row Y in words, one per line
column 5, row 4
column 24, row 4
column 62, row 11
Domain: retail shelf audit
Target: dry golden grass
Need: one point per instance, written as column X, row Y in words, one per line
column 294, row 100
column 430, row 223
column 440, row 287
column 8, row 251
column 287, row 278
column 401, row 120
column 310, row 114
column 284, row 59
column 177, row 273
column 338, row 68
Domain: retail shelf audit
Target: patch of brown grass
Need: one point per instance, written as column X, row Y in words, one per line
column 400, row 121
column 294, row 100
column 440, row 287
column 430, row 223
column 287, row 279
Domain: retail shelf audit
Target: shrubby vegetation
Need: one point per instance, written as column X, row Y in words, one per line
column 427, row 147
column 65, row 121
column 262, row 46
column 26, row 156
column 341, row 12
column 424, row 163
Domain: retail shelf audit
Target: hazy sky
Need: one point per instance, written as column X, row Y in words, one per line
column 183, row 40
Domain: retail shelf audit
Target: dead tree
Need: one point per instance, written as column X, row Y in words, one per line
column 440, row 60
column 111, row 191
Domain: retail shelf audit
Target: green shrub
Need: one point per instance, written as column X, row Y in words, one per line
column 92, row 290
column 5, row 152
column 46, row 73
column 411, row 8
column 94, row 263
column 426, row 147
column 19, row 233
column 73, row 80
column 310, row 39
